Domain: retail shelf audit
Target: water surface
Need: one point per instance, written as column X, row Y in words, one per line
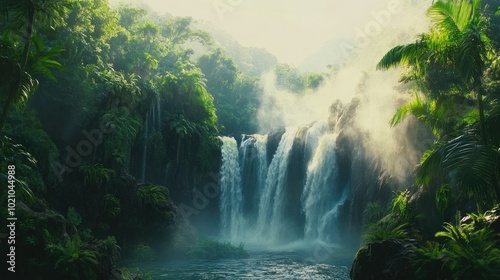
column 274, row 264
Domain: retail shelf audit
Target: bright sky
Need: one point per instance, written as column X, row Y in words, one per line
column 293, row 30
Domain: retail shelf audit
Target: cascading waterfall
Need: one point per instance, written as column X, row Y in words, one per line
column 230, row 187
column 271, row 200
column 254, row 193
column 318, row 174
column 253, row 163
column 145, row 148
column 152, row 124
column 321, row 192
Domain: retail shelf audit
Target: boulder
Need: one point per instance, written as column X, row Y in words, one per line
column 389, row 259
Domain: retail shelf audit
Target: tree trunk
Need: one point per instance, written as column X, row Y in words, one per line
column 24, row 61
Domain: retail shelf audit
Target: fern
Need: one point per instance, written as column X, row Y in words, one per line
column 385, row 230
column 155, row 196
column 74, row 260
column 471, row 249
column 95, row 173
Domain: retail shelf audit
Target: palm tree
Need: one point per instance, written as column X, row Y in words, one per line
column 457, row 40
column 19, row 13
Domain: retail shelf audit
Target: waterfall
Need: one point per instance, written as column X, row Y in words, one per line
column 271, row 200
column 158, row 113
column 145, row 148
column 254, row 194
column 321, row 191
column 296, row 195
column 230, row 187
column 152, row 124
column 253, row 163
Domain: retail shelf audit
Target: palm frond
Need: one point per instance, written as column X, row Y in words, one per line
column 11, row 9
column 42, row 60
column 27, row 87
column 450, row 17
column 417, row 107
column 404, row 55
column 430, row 165
column 470, row 165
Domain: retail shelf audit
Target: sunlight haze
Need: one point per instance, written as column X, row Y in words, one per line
column 294, row 31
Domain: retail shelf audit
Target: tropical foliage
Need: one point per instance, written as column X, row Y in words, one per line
column 466, row 153
column 450, row 71
column 105, row 96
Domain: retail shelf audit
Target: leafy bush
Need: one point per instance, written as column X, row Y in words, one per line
column 95, row 173
column 430, row 263
column 74, row 259
column 212, row 249
column 471, row 249
column 155, row 196
column 111, row 206
column 384, row 230
column 109, row 247
column 374, row 211
column 401, row 206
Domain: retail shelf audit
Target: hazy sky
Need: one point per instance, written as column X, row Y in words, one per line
column 293, row 30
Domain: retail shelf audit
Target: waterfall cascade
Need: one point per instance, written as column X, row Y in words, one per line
column 152, row 124
column 295, row 196
column 231, row 194
column 320, row 177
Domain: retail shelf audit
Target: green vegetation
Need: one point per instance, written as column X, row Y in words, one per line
column 467, row 250
column 389, row 223
column 73, row 259
column 452, row 73
column 289, row 78
column 457, row 48
column 213, row 249
column 106, row 97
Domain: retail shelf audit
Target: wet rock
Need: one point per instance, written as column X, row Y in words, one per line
column 389, row 259
column 273, row 141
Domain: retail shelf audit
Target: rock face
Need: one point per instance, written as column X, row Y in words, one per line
column 273, row 141
column 294, row 215
column 389, row 259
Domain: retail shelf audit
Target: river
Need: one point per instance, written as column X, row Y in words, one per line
column 275, row 263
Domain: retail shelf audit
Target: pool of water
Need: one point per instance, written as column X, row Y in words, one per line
column 261, row 264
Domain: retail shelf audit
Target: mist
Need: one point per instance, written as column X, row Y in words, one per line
column 380, row 92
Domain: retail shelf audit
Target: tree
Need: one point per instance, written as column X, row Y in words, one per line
column 18, row 13
column 457, row 40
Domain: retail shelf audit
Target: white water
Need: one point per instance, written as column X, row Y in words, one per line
column 270, row 210
column 230, row 184
column 320, row 199
column 319, row 196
